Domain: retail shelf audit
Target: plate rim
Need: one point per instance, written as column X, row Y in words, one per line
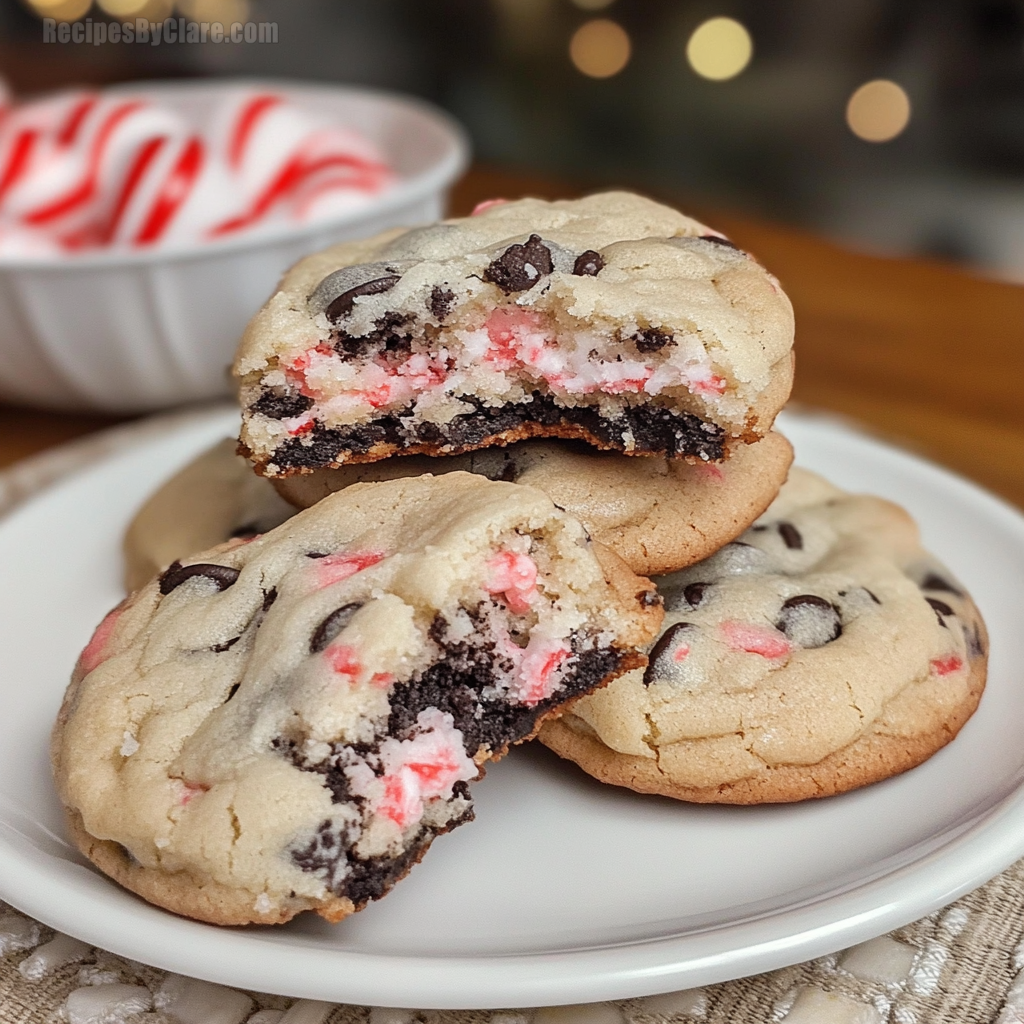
column 987, row 845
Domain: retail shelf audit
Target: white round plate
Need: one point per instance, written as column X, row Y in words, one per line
column 563, row 890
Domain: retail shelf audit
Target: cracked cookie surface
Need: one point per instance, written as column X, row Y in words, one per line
column 823, row 651
column 610, row 319
column 285, row 722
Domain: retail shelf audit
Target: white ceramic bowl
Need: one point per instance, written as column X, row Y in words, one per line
column 133, row 332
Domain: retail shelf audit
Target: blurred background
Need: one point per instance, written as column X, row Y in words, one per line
column 894, row 126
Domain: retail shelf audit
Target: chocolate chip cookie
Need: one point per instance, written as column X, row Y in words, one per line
column 610, row 319
column 285, row 723
column 822, row 651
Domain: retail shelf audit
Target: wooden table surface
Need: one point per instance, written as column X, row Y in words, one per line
column 923, row 354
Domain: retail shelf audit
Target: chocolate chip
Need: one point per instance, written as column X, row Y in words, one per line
column 343, row 304
column 176, row 574
column 940, row 608
column 520, row 266
column 332, row 626
column 790, row 536
column 662, row 664
column 441, row 302
column 269, row 598
column 809, row 620
column 232, row 692
column 694, row 593
column 652, row 340
column 718, row 240
column 278, row 404
column 650, row 598
column 933, row 581
column 975, row 643
column 588, row 264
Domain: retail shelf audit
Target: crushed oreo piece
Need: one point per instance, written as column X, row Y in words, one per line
column 652, row 340
column 441, row 302
column 176, row 574
column 390, row 334
column 520, row 266
column 278, row 404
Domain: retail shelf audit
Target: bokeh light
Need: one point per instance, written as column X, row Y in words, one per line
column 720, row 48
column 600, row 48
column 227, row 12
column 122, row 8
column 592, row 5
column 878, row 111
column 61, row 10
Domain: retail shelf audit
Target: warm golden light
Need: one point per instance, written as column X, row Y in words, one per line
column 122, row 8
column 720, row 48
column 878, row 111
column 600, row 48
column 61, row 10
column 227, row 12
column 592, row 5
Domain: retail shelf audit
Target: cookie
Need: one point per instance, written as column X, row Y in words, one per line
column 610, row 319
column 823, row 651
column 285, row 723
column 656, row 514
column 214, row 498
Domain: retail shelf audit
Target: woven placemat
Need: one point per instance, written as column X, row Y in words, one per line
column 962, row 965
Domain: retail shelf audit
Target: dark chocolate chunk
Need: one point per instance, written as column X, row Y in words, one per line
column 340, row 307
column 269, row 598
column 694, row 593
column 791, row 536
column 332, row 626
column 176, row 574
column 441, row 302
column 278, row 404
column 810, row 621
column 718, row 240
column 588, row 264
column 933, row 581
column 662, row 664
column 652, row 340
column 520, row 266
column 650, row 598
column 940, row 608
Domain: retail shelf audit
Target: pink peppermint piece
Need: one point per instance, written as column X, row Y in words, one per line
column 343, row 659
column 297, row 425
column 486, row 205
column 538, row 675
column 424, row 767
column 710, row 471
column 342, row 564
column 763, row 640
column 516, row 335
column 94, row 655
column 402, row 802
column 514, row 577
column 947, row 665
column 681, row 653
column 189, row 791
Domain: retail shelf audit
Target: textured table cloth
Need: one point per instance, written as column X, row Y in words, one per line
column 962, row 965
